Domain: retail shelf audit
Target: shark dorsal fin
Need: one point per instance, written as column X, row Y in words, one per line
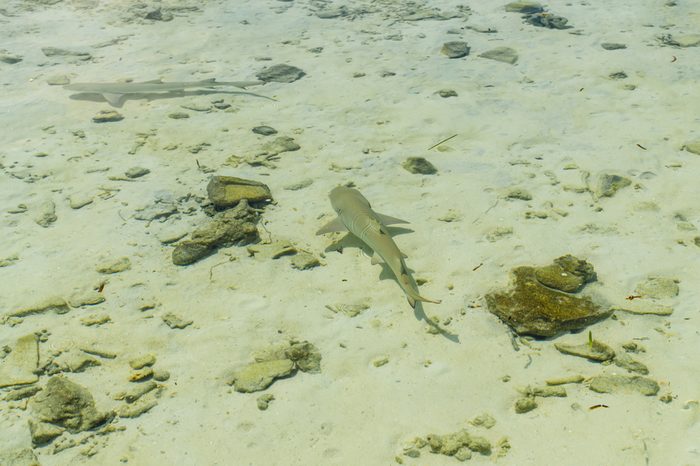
column 115, row 100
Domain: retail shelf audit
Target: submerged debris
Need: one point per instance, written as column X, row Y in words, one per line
column 228, row 191
column 624, row 384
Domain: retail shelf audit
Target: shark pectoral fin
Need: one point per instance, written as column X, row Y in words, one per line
column 152, row 81
column 376, row 259
column 404, row 255
column 388, row 220
column 332, row 226
column 115, row 100
column 411, row 301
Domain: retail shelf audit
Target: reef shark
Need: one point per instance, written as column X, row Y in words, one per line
column 114, row 93
column 356, row 216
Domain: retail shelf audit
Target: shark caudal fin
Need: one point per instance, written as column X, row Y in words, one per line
column 412, row 293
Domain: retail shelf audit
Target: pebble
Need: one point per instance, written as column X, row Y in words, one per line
column 658, row 288
column 142, row 361
column 227, row 191
column 623, row 383
column 593, row 350
column 455, row 49
column 502, row 54
column 136, row 172
column 280, row 74
column 419, row 165
column 264, row 130
column 111, row 266
column 176, row 322
column 445, row 93
column 46, row 214
column 178, row 115
column 141, row 374
column 260, row 375
column 9, row 58
column 107, row 116
column 78, row 201
column 20, row 365
column 524, row 7
column 613, row 46
column 263, row 401
column 305, row 261
column 58, row 80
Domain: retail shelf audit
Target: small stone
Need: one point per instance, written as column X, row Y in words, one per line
column 107, row 116
column 280, row 74
column 618, row 75
column 608, row 184
column 138, row 391
column 502, row 54
column 176, row 322
column 305, row 261
column 263, row 401
column 43, row 432
column 95, row 319
column 141, row 374
column 455, row 49
column 136, row 172
column 9, row 58
column 22, row 393
column 547, row 20
column 264, row 130
column 627, row 362
column 613, row 46
column 114, row 266
column 260, row 375
column 658, row 288
column 78, row 201
column 445, row 93
column 58, row 80
column 19, row 367
column 692, row 146
column 305, row 183
column 67, row 53
column 519, row 193
column 136, row 409
column 525, row 404
column 178, row 115
column 227, row 191
column 419, row 165
column 46, row 214
column 565, row 380
column 483, row 420
column 592, row 350
column 524, row 7
column 350, row 310
column 143, row 361
column 68, row 405
column 161, row 375
column 681, row 40
column 623, row 383
column 381, row 361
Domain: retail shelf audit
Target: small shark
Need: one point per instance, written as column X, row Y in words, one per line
column 356, row 216
column 114, row 93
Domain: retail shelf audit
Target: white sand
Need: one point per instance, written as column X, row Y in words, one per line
column 517, row 126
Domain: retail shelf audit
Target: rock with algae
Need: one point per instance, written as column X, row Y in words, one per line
column 593, row 350
column 567, row 273
column 227, row 191
column 235, row 226
column 531, row 308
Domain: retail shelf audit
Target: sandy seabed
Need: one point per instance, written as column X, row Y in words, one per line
column 516, row 184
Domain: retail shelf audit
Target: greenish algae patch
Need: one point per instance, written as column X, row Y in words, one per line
column 531, row 308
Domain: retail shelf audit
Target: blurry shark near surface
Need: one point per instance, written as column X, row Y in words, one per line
column 115, row 93
column 356, row 216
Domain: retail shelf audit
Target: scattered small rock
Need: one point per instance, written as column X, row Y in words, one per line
column 519, row 193
column 66, row 53
column 107, row 116
column 280, row 74
column 78, row 201
column 524, row 7
column 136, row 172
column 613, row 46
column 111, row 266
column 264, row 130
column 658, row 288
column 593, row 350
column 68, row 405
column 20, row 366
column 227, row 191
column 178, row 115
column 260, row 375
column 263, row 401
column 680, row 40
column 455, row 49
column 176, row 322
column 608, row 184
column 525, row 404
column 419, row 165
column 445, row 93
column 143, row 361
column 305, row 261
column 547, row 20
column 9, row 58
column 624, row 384
column 692, row 146
column 58, row 80
column 350, row 310
column 502, row 54
column 46, row 214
